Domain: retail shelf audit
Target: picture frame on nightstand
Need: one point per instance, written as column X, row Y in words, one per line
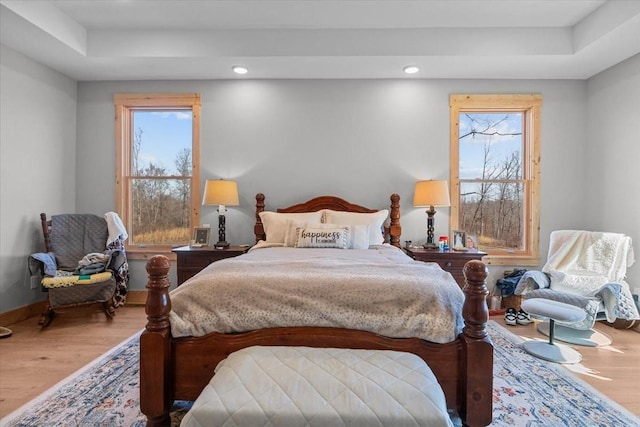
column 471, row 242
column 458, row 240
column 201, row 236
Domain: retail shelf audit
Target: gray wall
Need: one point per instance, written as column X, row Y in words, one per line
column 359, row 139
column 613, row 157
column 38, row 165
column 295, row 139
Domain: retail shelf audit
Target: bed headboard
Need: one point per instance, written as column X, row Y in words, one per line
column 392, row 227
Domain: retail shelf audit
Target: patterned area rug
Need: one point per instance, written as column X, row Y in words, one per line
column 527, row 392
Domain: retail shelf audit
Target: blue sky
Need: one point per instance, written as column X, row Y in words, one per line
column 471, row 148
column 164, row 135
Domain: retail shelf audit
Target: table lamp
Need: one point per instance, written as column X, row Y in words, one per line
column 431, row 193
column 222, row 193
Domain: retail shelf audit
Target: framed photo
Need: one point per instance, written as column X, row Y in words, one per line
column 472, row 242
column 459, row 240
column 201, row 235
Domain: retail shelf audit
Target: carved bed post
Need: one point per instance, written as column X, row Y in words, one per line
column 477, row 348
column 394, row 225
column 156, row 394
column 258, row 229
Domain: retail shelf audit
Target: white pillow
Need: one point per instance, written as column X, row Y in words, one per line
column 336, row 237
column 358, row 236
column 275, row 223
column 578, row 284
column 374, row 220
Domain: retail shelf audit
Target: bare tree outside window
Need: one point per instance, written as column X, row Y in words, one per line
column 490, row 179
column 161, row 178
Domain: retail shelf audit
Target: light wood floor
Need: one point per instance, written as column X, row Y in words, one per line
column 31, row 360
column 615, row 370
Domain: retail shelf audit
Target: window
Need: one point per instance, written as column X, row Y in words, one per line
column 495, row 174
column 157, row 180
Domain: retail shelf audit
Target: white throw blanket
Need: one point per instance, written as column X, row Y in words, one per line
column 379, row 290
column 116, row 228
column 590, row 253
column 590, row 267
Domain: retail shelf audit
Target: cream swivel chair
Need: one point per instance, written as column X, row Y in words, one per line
column 585, row 269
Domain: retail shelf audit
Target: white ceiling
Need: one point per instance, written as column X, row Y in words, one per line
column 186, row 39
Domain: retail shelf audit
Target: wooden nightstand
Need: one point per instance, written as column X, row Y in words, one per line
column 193, row 260
column 451, row 261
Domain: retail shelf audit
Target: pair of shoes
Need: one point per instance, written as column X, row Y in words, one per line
column 513, row 317
column 523, row 318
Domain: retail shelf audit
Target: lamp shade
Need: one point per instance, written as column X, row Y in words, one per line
column 220, row 192
column 431, row 193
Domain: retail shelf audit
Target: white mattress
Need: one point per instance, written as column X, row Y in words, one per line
column 302, row 386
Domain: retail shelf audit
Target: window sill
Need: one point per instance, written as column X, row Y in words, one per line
column 142, row 253
column 511, row 260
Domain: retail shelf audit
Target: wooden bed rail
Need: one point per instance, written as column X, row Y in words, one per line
column 180, row 368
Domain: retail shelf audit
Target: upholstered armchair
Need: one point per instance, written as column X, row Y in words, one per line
column 586, row 269
column 84, row 263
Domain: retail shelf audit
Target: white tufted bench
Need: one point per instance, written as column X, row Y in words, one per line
column 303, row 386
column 552, row 310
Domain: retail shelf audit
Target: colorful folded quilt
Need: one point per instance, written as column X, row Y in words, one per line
column 66, row 281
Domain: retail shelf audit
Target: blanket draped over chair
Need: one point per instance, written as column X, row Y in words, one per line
column 586, row 269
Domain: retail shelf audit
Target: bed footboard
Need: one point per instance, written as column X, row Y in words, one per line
column 180, row 368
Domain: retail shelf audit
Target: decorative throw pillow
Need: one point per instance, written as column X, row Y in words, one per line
column 578, row 284
column 358, row 235
column 291, row 232
column 374, row 220
column 275, row 223
column 309, row 237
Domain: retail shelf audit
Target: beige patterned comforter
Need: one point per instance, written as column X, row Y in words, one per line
column 379, row 290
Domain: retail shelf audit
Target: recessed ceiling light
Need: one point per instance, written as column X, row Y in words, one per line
column 239, row 69
column 411, row 69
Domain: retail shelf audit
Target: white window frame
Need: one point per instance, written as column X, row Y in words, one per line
column 530, row 105
column 125, row 105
